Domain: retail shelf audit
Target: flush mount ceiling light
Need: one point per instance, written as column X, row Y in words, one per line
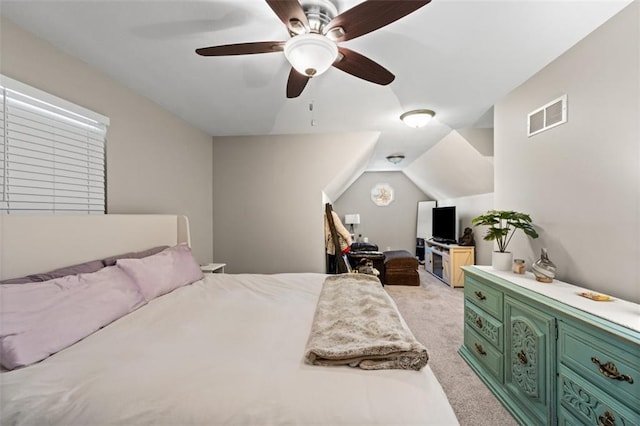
column 311, row 54
column 417, row 117
column 395, row 158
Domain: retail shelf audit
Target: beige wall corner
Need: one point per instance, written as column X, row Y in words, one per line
column 452, row 168
column 479, row 138
column 268, row 197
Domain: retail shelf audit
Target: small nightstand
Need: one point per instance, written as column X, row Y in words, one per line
column 213, row 268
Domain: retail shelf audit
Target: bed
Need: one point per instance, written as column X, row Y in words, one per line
column 226, row 349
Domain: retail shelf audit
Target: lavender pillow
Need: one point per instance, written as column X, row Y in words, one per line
column 110, row 261
column 40, row 319
column 21, row 280
column 81, row 268
column 162, row 272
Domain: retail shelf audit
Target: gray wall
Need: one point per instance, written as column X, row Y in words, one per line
column 156, row 162
column 580, row 181
column 392, row 226
column 268, row 197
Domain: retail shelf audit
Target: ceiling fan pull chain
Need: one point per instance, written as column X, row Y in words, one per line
column 313, row 120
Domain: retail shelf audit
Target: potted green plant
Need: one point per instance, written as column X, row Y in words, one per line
column 502, row 225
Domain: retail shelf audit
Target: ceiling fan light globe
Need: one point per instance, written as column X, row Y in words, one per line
column 310, row 54
column 417, row 118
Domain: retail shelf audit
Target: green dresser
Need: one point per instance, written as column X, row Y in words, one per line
column 550, row 355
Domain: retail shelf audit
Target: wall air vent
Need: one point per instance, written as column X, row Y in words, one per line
column 552, row 114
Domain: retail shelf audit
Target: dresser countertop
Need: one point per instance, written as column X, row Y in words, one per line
column 621, row 312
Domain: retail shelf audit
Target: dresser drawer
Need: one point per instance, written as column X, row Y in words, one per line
column 604, row 360
column 582, row 403
column 484, row 324
column 483, row 296
column 566, row 418
column 488, row 356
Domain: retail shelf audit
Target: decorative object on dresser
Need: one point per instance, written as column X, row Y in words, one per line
column 544, row 269
column 519, row 266
column 444, row 261
column 550, row 355
column 502, row 226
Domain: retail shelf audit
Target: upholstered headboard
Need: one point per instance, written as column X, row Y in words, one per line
column 33, row 244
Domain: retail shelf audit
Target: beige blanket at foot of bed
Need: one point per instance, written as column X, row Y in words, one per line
column 357, row 324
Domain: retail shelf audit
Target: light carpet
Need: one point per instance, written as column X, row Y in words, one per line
column 434, row 312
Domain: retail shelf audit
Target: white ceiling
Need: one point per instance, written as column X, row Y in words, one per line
column 457, row 57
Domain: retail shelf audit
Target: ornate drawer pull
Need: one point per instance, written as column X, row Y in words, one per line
column 522, row 357
column 480, row 349
column 480, row 296
column 479, row 322
column 610, row 370
column 606, row 419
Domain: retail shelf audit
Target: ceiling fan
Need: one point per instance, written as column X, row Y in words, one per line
column 316, row 29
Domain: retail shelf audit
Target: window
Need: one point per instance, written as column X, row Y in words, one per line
column 52, row 153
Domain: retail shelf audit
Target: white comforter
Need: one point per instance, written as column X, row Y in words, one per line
column 226, row 350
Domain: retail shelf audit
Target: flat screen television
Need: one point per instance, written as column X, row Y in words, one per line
column 444, row 224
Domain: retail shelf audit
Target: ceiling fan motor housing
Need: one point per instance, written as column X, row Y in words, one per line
column 319, row 13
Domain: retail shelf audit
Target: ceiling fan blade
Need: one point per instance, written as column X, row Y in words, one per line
column 291, row 14
column 242, row 48
column 362, row 67
column 370, row 15
column 296, row 83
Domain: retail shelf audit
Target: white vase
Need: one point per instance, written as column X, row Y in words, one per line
column 502, row 261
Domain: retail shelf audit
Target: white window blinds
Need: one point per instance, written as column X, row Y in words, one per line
column 52, row 153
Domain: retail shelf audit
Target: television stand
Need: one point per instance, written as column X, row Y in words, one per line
column 444, row 261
